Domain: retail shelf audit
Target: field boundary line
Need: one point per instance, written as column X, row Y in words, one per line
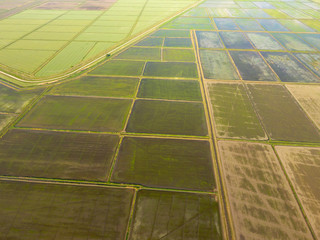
column 95, row 61
column 132, row 212
column 225, row 214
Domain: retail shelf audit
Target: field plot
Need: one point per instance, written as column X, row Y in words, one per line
column 97, row 86
column 302, row 165
column 62, row 155
column 5, row 119
column 49, row 211
column 264, row 41
column 311, row 60
column 78, row 113
column 171, row 69
column 235, row 40
column 292, row 42
column 165, row 163
column 208, row 40
column 234, row 115
column 168, row 117
column 309, row 98
column 281, row 115
column 170, row 89
column 12, row 101
column 262, row 203
column 140, row 54
column 312, row 39
column 122, row 68
column 168, row 215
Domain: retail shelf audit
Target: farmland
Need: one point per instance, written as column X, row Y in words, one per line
column 203, row 126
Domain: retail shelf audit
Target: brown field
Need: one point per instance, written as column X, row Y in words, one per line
column 302, row 165
column 309, row 98
column 262, row 203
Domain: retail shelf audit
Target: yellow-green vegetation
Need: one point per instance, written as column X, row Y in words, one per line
column 119, row 67
column 175, row 215
column 5, row 119
column 165, row 163
column 78, row 113
column 55, row 209
column 171, row 69
column 48, row 154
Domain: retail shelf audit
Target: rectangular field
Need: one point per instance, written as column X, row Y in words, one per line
column 5, row 119
column 262, row 203
column 48, row 211
column 282, row 117
column 169, row 215
column 234, row 116
column 165, row 163
column 78, row 113
column 120, row 68
column 47, row 154
column 302, row 165
column 168, row 117
column 171, row 69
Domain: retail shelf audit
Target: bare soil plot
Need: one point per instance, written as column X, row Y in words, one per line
column 309, row 98
column 165, row 163
column 171, row 69
column 97, row 86
column 282, row 117
column 49, row 211
column 288, row 68
column 302, row 165
column 78, row 113
column 14, row 101
column 234, row 116
column 122, row 68
column 169, row 215
column 170, row 89
column 168, row 117
column 252, row 67
column 217, row 65
column 60, row 155
column 262, row 203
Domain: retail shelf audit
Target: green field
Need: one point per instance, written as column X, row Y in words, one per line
column 122, row 68
column 47, row 154
column 78, row 113
column 165, row 163
column 168, row 117
column 49, row 211
column 234, row 116
column 171, row 69
column 5, row 119
column 175, row 216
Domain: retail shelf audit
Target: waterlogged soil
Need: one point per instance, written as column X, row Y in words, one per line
column 262, row 203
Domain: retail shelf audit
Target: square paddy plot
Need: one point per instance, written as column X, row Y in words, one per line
column 302, row 165
column 252, row 67
column 63, row 155
column 168, row 117
column 78, row 113
column 171, row 69
column 217, row 65
column 208, row 40
column 282, row 117
column 165, row 163
column 173, row 215
column 235, row 40
column 262, row 203
column 56, row 211
column 97, row 86
column 119, row 67
column 234, row 116
column 140, row 54
column 288, row 68
column 170, row 89
column 264, row 41
column 178, row 42
column 178, row 55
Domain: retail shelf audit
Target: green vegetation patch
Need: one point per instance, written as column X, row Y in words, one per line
column 233, row 112
column 165, row 163
column 5, row 119
column 170, row 89
column 98, row 86
column 281, row 115
column 121, row 68
column 172, row 33
column 178, row 42
column 140, row 54
column 252, row 67
column 295, row 25
column 178, row 55
column 171, row 69
column 168, row 117
column 217, row 65
column 57, row 210
column 78, row 113
column 151, row 42
column 37, row 45
column 62, row 155
column 288, row 68
column 174, row 215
